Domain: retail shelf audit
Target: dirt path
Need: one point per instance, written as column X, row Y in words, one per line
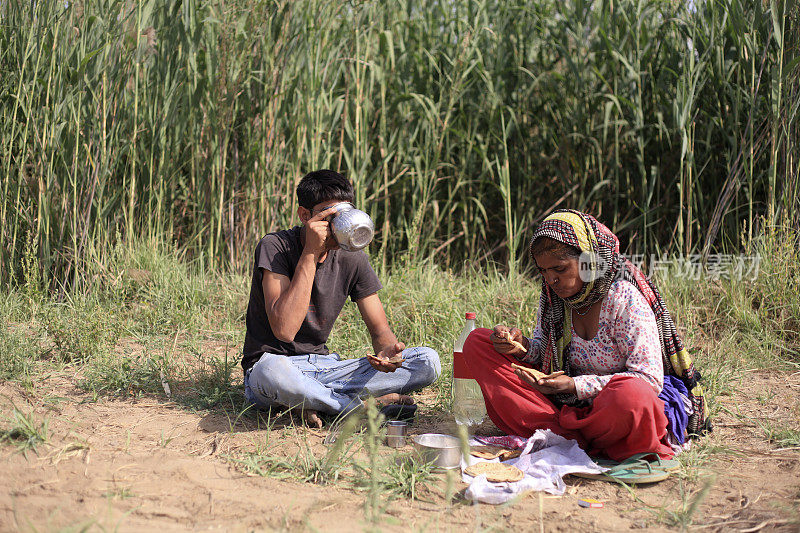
column 150, row 465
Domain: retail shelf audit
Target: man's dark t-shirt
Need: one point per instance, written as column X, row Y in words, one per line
column 342, row 274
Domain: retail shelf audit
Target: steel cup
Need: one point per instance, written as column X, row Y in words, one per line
column 396, row 431
column 353, row 229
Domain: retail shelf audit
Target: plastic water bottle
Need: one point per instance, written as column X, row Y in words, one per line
column 469, row 408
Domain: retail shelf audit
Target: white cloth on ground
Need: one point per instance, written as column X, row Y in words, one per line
column 545, row 460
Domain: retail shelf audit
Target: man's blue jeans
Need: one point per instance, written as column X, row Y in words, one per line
column 328, row 384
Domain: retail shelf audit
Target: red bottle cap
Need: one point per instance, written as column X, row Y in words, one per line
column 470, row 316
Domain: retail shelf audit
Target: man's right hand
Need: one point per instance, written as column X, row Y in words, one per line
column 319, row 237
column 502, row 344
column 380, row 361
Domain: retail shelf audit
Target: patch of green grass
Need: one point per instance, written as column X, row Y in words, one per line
column 306, row 465
column 694, row 461
column 25, row 432
column 259, row 461
column 18, row 352
column 197, row 381
column 122, row 493
column 122, row 374
column 208, row 381
column 780, row 435
column 79, row 332
column 159, row 292
column 164, row 441
column 406, row 475
column 310, row 468
column 766, row 397
column 683, row 515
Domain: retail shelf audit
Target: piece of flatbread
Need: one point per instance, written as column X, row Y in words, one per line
column 495, row 472
column 507, row 336
column 396, row 358
column 486, row 452
column 535, row 374
column 510, row 454
column 493, row 452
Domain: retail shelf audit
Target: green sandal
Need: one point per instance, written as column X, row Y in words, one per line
column 640, row 459
column 629, row 474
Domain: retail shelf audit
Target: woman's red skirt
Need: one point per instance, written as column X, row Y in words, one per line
column 625, row 418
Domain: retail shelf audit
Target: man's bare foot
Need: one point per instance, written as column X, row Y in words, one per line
column 310, row 418
column 394, row 397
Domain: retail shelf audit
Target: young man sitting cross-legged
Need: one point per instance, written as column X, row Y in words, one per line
column 301, row 280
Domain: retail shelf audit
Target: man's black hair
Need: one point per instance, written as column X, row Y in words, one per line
column 321, row 186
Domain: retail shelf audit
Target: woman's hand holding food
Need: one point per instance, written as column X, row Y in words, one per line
column 557, row 384
column 509, row 341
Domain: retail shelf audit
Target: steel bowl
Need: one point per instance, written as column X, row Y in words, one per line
column 444, row 451
column 352, row 228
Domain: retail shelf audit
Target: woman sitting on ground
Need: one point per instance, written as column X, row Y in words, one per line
column 605, row 325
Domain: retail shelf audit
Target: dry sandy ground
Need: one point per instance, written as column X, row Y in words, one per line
column 147, row 464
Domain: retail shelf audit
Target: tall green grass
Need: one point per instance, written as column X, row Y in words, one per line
column 460, row 123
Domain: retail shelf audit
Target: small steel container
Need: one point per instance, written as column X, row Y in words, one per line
column 353, row 229
column 444, row 451
column 396, row 431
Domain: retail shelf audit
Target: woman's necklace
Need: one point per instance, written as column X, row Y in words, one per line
column 588, row 308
